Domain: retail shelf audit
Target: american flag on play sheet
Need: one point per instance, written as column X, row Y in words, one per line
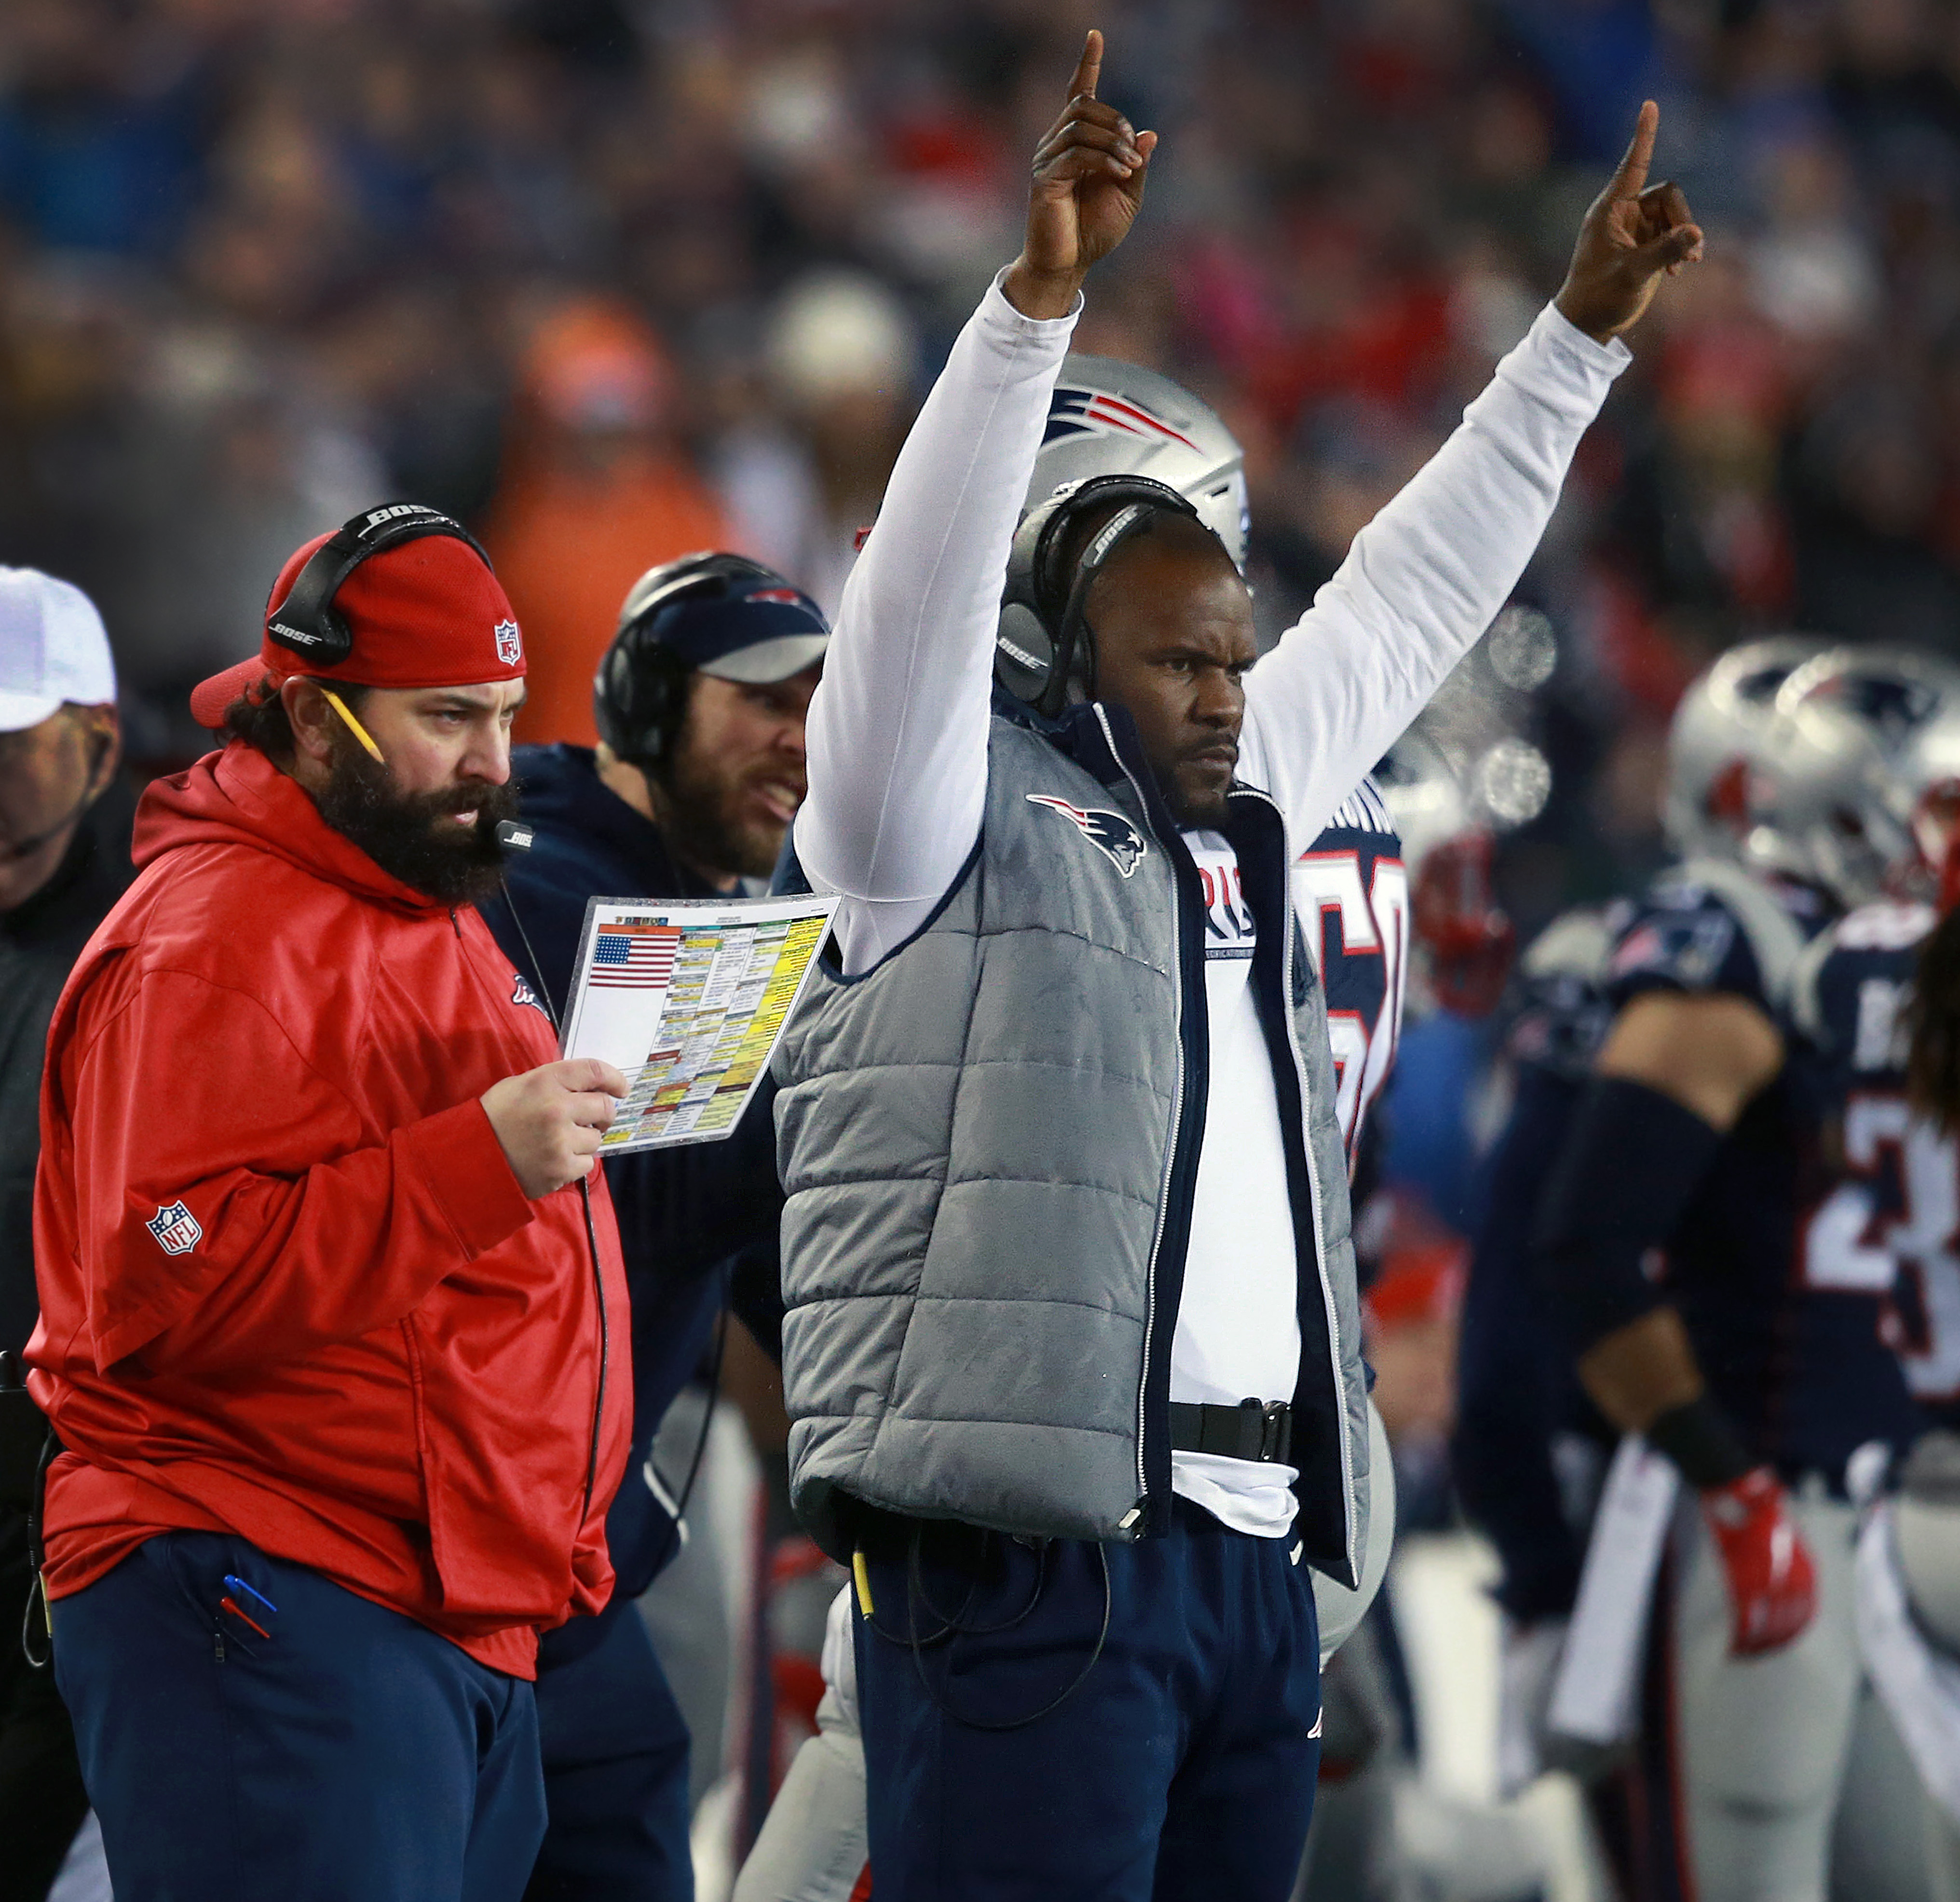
column 633, row 960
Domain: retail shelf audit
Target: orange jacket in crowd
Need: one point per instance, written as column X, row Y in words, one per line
column 594, row 493
column 568, row 546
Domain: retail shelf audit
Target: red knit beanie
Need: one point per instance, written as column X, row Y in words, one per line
column 423, row 613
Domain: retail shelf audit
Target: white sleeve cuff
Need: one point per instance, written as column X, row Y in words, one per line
column 1556, row 348
column 999, row 317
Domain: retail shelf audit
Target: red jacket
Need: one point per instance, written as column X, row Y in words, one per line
column 290, row 1288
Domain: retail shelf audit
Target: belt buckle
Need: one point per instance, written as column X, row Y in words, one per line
column 1273, row 1423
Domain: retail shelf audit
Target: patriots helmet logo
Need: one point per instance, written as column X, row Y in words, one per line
column 509, row 643
column 1116, row 837
column 522, row 992
column 1095, row 412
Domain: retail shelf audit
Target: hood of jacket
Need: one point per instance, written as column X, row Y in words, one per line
column 238, row 797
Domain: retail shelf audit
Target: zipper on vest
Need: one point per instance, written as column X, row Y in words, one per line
column 1170, row 1148
column 1313, row 1189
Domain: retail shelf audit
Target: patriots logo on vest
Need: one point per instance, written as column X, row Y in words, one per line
column 1111, row 834
column 176, row 1229
column 509, row 643
column 522, row 992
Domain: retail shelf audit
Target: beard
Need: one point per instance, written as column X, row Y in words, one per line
column 1196, row 801
column 697, row 814
column 414, row 837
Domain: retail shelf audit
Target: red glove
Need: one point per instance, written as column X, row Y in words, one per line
column 1772, row 1582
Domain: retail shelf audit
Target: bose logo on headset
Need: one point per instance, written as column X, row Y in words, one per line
column 302, row 637
column 394, row 512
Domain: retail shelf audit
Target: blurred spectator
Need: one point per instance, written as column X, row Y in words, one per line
column 840, row 355
column 595, row 491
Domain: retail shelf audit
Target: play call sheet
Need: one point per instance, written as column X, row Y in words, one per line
column 687, row 999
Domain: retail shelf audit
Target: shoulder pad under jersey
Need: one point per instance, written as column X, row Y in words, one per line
column 1708, row 925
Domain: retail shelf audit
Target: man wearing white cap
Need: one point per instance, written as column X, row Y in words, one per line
column 65, row 819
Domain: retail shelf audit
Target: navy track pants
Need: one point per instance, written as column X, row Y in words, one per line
column 615, row 1750
column 349, row 1751
column 1181, row 1766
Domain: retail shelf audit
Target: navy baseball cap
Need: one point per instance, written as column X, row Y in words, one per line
column 726, row 616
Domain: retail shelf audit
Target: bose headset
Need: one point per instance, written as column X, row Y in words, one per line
column 1045, row 645
column 639, row 694
column 306, row 622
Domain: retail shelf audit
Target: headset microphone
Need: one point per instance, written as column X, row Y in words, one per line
column 520, row 838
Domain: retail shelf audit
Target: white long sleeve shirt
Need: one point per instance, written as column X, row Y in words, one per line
column 897, row 735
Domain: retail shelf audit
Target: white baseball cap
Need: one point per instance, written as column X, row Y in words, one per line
column 53, row 649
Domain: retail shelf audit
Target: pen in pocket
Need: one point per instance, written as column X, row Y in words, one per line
column 241, row 1585
column 244, row 1590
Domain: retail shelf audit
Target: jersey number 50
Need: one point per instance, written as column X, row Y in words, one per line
column 1364, row 985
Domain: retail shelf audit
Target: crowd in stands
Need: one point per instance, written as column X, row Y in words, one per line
column 597, row 275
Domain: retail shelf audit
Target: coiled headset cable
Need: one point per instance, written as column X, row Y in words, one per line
column 950, row 1627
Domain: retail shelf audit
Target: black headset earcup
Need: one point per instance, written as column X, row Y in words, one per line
column 633, row 698
column 1042, row 625
column 1023, row 652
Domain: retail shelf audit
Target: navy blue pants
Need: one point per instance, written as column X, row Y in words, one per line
column 350, row 1752
column 1182, row 1765
column 615, row 1767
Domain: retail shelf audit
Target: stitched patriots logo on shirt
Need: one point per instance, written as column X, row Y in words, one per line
column 1111, row 834
column 176, row 1229
column 522, row 992
column 509, row 643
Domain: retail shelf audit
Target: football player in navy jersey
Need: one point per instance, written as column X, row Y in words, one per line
column 1877, row 1003
column 1666, row 1231
column 1530, row 1450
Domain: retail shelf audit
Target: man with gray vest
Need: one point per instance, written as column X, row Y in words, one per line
column 1109, row 417
column 1072, row 1351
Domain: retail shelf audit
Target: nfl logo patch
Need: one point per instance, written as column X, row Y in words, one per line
column 176, row 1229
column 509, row 643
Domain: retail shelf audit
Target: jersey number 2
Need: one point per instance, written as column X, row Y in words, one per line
column 1893, row 1229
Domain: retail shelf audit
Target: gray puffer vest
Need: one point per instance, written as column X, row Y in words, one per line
column 989, row 1144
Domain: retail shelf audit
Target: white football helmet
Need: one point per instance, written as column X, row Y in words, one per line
column 1108, row 417
column 1867, row 746
column 1717, row 754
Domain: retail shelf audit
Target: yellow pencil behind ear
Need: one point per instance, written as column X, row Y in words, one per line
column 354, row 726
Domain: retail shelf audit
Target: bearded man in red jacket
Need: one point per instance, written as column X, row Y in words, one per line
column 332, row 1316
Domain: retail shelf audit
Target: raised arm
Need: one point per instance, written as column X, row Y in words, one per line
column 1428, row 575
column 898, row 730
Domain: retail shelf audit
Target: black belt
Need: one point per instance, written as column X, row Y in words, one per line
column 1260, row 1429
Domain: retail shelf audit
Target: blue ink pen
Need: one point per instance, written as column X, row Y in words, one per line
column 239, row 1585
